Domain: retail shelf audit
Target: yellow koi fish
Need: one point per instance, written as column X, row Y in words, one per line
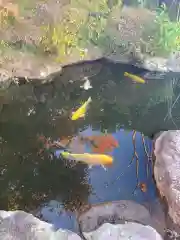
column 80, row 112
column 134, row 77
column 90, row 159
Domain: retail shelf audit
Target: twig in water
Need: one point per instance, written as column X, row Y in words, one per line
column 170, row 111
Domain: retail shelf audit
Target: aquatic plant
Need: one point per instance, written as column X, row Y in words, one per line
column 26, row 5
column 23, row 184
column 166, row 33
column 153, row 4
column 94, row 29
column 7, row 15
column 61, row 38
column 169, row 31
column 4, row 48
column 169, row 99
column 81, row 25
column 97, row 15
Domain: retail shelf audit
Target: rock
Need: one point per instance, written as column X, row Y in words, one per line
column 126, row 25
column 157, row 216
column 170, row 64
column 133, row 231
column 19, row 225
column 167, row 170
column 126, row 30
column 23, row 54
column 30, row 50
column 113, row 212
column 4, row 80
column 20, row 56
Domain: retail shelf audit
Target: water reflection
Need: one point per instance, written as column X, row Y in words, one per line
column 118, row 182
column 30, row 177
column 132, row 165
column 117, row 101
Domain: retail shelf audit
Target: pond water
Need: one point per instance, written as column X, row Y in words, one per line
column 31, row 111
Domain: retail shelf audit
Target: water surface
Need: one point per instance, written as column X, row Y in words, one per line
column 119, row 106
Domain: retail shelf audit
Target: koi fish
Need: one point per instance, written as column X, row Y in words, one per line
column 101, row 144
column 80, row 112
column 64, row 141
column 90, row 159
column 86, row 85
column 48, row 143
column 134, row 77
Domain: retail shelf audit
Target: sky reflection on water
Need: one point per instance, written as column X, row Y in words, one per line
column 119, row 181
column 112, row 184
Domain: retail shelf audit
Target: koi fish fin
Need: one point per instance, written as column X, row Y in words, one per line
column 104, row 167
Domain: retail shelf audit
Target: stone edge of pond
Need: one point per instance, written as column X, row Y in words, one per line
column 47, row 72
column 166, row 186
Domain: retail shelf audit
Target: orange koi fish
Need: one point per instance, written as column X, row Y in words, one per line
column 64, row 142
column 101, row 144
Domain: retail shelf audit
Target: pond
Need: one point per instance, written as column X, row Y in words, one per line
column 33, row 115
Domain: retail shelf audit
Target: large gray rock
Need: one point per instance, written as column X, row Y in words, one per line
column 167, row 170
column 133, row 231
column 118, row 212
column 113, row 211
column 19, row 225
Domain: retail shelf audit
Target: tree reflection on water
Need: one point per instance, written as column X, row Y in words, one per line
column 29, row 179
column 32, row 110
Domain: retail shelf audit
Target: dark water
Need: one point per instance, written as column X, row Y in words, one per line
column 30, row 178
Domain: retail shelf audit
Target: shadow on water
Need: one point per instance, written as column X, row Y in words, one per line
column 30, row 177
